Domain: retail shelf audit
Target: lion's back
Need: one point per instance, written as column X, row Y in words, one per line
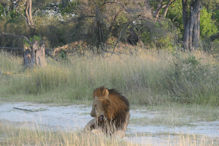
column 118, row 109
column 116, row 97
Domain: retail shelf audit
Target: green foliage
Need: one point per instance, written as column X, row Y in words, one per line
column 191, row 60
column 145, row 37
column 165, row 42
column 70, row 8
column 175, row 14
column 36, row 38
column 214, row 45
column 207, row 25
column 1, row 10
column 13, row 14
column 26, row 44
column 62, row 55
column 160, row 42
column 216, row 16
column 161, row 36
column 121, row 19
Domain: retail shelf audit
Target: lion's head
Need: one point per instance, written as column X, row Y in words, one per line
column 110, row 109
column 100, row 100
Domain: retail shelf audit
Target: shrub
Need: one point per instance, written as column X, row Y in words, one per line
column 207, row 25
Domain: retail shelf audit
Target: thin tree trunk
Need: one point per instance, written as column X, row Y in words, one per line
column 191, row 29
column 196, row 33
column 186, row 35
column 159, row 7
column 28, row 12
column 40, row 57
column 184, row 12
column 99, row 29
column 170, row 2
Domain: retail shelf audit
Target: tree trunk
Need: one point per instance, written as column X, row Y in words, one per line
column 27, row 57
column 196, row 32
column 40, row 57
column 191, row 36
column 99, row 29
column 185, row 13
column 34, row 55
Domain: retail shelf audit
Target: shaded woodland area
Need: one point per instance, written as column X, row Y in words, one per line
column 102, row 25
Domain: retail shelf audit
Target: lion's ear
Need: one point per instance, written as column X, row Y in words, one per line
column 105, row 92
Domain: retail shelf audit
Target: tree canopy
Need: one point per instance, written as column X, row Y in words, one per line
column 104, row 23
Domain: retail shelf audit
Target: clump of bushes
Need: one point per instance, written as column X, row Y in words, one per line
column 190, row 81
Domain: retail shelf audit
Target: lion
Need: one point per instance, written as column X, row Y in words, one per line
column 110, row 111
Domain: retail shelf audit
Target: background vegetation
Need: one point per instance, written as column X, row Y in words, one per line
column 103, row 23
column 121, row 45
column 146, row 78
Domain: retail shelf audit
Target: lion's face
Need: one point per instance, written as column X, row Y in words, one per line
column 100, row 97
column 97, row 108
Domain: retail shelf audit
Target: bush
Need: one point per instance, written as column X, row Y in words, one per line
column 207, row 25
column 70, row 8
column 160, row 36
column 193, row 82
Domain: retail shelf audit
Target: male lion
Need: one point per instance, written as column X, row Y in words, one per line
column 111, row 112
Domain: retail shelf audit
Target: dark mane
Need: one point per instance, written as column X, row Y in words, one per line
column 121, row 97
column 114, row 105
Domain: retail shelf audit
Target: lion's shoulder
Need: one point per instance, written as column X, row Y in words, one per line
column 118, row 97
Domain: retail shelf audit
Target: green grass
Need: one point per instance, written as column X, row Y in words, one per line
column 146, row 78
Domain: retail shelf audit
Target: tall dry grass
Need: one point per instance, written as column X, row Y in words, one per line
column 9, row 135
column 148, row 77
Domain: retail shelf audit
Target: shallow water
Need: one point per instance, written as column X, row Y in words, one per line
column 75, row 117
